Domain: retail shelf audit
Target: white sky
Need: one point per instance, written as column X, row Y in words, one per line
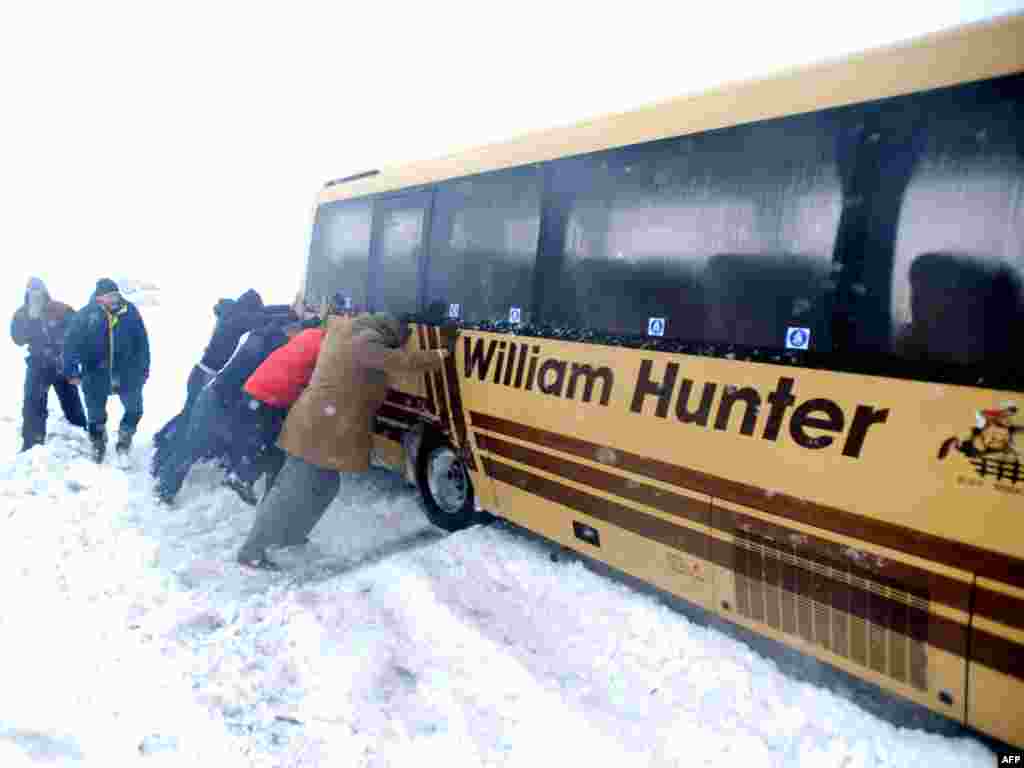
column 186, row 141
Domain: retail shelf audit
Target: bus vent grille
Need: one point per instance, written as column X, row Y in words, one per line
column 826, row 605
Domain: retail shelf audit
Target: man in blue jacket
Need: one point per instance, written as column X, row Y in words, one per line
column 107, row 350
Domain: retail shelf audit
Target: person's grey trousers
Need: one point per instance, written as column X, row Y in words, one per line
column 291, row 509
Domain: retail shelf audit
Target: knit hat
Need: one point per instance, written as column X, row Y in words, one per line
column 105, row 285
column 35, row 284
column 386, row 325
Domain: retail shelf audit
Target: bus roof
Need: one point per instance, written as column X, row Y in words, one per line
column 966, row 53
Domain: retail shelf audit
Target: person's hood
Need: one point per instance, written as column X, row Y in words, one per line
column 34, row 283
column 250, row 301
column 223, row 306
column 384, row 324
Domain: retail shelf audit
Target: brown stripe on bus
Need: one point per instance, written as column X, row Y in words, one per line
column 998, row 653
column 675, row 536
column 967, row 557
column 902, row 576
column 431, row 406
column 406, row 400
column 938, row 631
column 458, row 415
column 665, row 501
column 439, row 389
column 998, row 606
column 396, row 414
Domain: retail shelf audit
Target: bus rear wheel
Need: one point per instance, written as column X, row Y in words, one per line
column 445, row 486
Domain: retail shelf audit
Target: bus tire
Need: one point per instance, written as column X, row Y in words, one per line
column 445, row 486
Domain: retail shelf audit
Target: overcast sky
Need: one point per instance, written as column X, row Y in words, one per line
column 186, row 142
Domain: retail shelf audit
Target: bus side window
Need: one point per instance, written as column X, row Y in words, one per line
column 962, row 311
column 754, row 299
column 726, row 235
column 483, row 247
column 959, row 252
column 339, row 252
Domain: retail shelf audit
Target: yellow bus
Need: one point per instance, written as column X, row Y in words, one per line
column 753, row 347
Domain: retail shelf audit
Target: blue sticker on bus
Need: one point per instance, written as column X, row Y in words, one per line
column 656, row 326
column 798, row 338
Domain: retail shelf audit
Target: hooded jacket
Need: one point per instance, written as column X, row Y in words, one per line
column 234, row 319
column 99, row 341
column 331, row 424
column 44, row 335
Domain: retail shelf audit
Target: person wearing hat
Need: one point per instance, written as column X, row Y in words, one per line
column 106, row 349
column 40, row 324
column 328, row 429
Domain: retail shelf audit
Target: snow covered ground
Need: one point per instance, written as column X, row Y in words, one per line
column 128, row 633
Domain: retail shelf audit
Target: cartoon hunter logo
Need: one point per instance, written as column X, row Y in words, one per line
column 991, row 448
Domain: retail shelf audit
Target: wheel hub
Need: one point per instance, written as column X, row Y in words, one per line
column 446, row 476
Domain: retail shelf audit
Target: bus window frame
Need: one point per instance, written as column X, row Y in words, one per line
column 382, row 204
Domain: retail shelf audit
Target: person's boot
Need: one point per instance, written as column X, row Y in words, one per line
column 28, row 442
column 242, row 488
column 124, row 442
column 98, row 438
column 257, row 561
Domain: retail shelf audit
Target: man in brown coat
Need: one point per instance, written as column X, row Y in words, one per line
column 329, row 428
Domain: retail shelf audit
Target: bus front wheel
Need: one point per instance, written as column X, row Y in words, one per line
column 445, row 487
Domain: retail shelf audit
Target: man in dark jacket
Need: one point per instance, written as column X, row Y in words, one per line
column 107, row 349
column 234, row 320
column 227, row 424
column 40, row 323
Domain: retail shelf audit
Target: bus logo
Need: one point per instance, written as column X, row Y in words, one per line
column 798, row 338
column 991, row 447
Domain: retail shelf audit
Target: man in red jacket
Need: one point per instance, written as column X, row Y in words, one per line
column 272, row 388
column 280, row 378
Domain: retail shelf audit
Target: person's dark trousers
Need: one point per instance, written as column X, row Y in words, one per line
column 272, row 461
column 163, row 444
column 205, row 436
column 291, row 509
column 197, row 380
column 255, row 429
column 39, row 377
column 164, row 440
column 96, row 388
